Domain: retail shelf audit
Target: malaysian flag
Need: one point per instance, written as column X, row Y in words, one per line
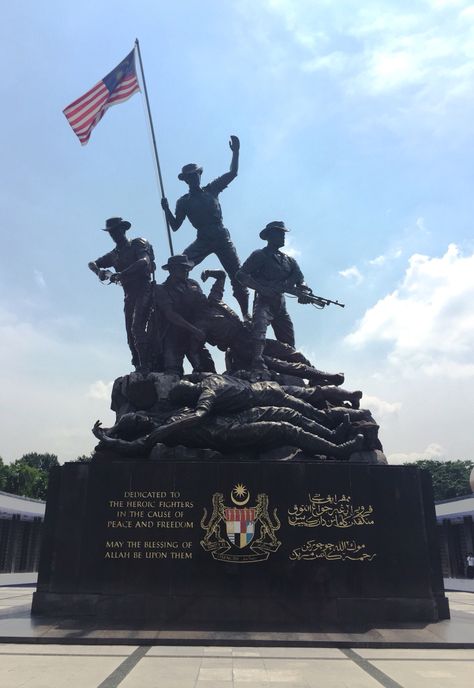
column 87, row 111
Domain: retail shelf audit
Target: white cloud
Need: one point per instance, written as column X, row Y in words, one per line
column 290, row 249
column 420, row 223
column 432, row 451
column 39, row 279
column 382, row 259
column 428, row 321
column 379, row 407
column 467, row 13
column 100, row 390
column 335, row 62
column 45, row 402
column 424, row 54
column 352, row 273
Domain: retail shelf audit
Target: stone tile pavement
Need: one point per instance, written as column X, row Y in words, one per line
column 32, row 664
column 106, row 666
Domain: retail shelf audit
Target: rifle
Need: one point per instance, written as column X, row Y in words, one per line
column 307, row 293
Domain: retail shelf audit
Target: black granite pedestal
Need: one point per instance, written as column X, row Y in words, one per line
column 241, row 545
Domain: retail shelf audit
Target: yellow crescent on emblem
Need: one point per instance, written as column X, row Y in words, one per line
column 242, row 492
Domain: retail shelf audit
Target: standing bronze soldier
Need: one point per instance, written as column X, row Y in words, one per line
column 270, row 272
column 201, row 206
column 134, row 264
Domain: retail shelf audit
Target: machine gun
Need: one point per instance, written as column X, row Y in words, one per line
column 306, row 293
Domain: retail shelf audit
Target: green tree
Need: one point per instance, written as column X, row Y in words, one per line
column 450, row 478
column 3, row 475
column 25, row 480
column 28, row 476
column 84, row 458
column 43, row 462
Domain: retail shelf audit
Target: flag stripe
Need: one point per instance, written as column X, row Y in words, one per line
column 80, row 101
column 85, row 130
column 118, row 86
column 86, row 100
column 87, row 113
column 101, row 96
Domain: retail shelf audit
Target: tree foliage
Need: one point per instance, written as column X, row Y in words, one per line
column 84, row 458
column 43, row 462
column 3, row 475
column 450, row 478
column 28, row 476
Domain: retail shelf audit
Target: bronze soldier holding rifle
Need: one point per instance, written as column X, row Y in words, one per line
column 270, row 272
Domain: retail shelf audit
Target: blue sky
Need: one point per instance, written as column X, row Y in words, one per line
column 355, row 122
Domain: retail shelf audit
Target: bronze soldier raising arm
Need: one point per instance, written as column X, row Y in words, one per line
column 134, row 264
column 202, row 208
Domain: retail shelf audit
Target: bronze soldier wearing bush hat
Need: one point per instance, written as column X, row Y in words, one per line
column 133, row 262
column 269, row 271
column 202, row 208
column 180, row 303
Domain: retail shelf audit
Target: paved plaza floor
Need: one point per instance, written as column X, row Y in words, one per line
column 110, row 666
column 39, row 662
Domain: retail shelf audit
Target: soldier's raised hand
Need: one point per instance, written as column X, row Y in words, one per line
column 205, row 274
column 165, row 204
column 234, row 144
column 97, row 430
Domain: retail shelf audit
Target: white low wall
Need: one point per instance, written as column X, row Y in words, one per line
column 462, row 584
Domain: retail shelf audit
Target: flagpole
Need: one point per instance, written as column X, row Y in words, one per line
column 157, row 160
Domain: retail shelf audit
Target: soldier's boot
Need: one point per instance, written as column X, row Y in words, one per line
column 317, row 445
column 342, row 432
column 195, row 360
column 257, row 358
column 319, row 377
column 336, row 436
column 355, row 398
column 343, row 451
column 336, row 414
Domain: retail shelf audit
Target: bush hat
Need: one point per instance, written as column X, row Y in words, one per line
column 180, row 259
column 189, row 169
column 116, row 223
column 276, row 224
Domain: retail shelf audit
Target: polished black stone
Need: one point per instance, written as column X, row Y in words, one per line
column 114, row 562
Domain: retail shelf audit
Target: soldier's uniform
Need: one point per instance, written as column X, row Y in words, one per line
column 186, row 299
column 225, row 330
column 221, row 394
column 273, row 269
column 253, row 430
column 203, row 210
column 136, row 287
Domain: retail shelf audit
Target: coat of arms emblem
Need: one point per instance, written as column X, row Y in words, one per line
column 249, row 534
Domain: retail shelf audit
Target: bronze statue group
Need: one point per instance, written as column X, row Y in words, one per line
column 270, row 395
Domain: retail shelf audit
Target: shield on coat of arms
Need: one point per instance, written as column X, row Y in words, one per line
column 240, row 525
